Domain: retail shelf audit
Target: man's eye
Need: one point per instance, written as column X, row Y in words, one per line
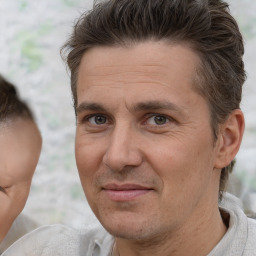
column 158, row 120
column 97, row 120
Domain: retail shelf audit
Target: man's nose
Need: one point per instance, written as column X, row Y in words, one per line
column 123, row 150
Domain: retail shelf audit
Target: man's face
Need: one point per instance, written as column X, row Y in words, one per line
column 144, row 144
column 20, row 148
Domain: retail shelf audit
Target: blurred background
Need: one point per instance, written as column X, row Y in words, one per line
column 31, row 34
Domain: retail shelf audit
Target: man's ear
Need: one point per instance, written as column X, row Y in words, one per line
column 229, row 139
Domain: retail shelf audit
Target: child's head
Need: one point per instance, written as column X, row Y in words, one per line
column 20, row 146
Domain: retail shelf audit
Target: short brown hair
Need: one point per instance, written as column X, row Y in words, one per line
column 11, row 106
column 204, row 25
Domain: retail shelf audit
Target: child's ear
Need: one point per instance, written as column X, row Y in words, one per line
column 229, row 138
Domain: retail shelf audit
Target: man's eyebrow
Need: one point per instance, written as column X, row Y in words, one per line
column 156, row 105
column 89, row 106
column 142, row 106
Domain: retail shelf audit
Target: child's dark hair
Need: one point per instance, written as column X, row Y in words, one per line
column 11, row 106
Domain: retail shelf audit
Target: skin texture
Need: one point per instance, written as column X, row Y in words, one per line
column 145, row 151
column 21, row 143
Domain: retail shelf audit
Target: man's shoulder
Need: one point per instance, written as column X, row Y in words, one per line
column 22, row 225
column 44, row 241
column 240, row 239
column 62, row 240
column 96, row 239
column 250, row 248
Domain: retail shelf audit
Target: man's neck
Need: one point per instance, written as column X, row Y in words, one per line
column 196, row 238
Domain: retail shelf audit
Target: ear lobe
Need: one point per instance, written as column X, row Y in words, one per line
column 229, row 139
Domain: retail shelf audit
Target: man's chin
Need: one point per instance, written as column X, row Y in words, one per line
column 129, row 230
column 128, row 235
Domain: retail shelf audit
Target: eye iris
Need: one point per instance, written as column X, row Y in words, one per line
column 160, row 120
column 100, row 119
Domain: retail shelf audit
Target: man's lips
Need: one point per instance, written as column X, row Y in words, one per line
column 125, row 192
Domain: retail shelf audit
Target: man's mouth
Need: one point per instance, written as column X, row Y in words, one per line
column 125, row 192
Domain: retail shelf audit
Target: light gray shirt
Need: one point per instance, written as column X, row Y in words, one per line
column 59, row 240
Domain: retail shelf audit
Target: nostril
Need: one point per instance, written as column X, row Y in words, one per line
column 122, row 162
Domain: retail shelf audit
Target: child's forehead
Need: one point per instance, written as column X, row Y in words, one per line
column 15, row 122
column 19, row 128
column 20, row 142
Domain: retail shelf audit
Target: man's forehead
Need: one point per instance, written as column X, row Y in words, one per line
column 148, row 60
column 148, row 54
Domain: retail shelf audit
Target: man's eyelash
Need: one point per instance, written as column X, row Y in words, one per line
column 87, row 117
column 162, row 115
column 145, row 119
